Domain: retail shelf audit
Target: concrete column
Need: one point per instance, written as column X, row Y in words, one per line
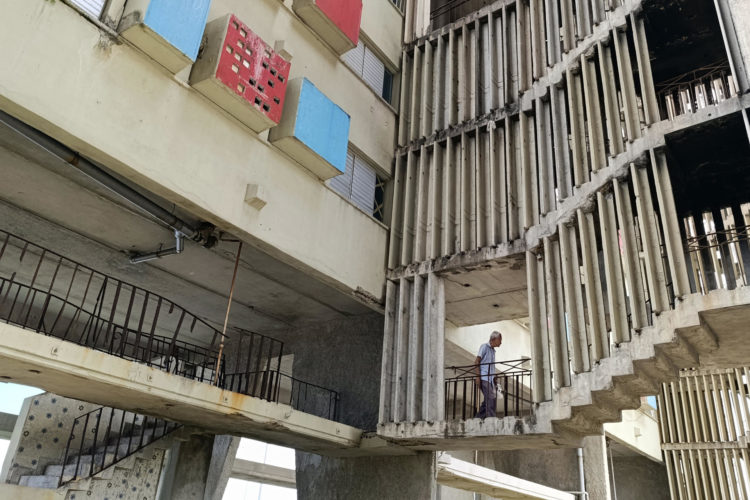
column 371, row 478
column 595, row 467
column 199, row 468
column 638, row 478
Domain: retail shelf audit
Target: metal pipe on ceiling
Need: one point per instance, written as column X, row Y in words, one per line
column 98, row 174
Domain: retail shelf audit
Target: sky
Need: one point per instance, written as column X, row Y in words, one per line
column 12, row 396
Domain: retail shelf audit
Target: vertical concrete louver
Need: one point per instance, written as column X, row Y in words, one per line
column 704, row 430
column 512, row 140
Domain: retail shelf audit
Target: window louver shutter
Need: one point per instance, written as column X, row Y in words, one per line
column 342, row 184
column 373, row 71
column 363, row 186
column 355, row 58
column 91, row 7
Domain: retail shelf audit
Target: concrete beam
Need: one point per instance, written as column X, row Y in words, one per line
column 74, row 371
column 467, row 476
column 263, row 473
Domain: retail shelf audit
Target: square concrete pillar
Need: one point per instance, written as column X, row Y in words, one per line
column 335, row 21
column 313, row 130
column 241, row 73
column 170, row 31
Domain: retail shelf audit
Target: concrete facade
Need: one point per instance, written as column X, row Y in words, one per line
column 570, row 173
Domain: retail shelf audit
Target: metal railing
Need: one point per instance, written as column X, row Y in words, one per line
column 105, row 436
column 695, row 90
column 285, row 389
column 463, row 395
column 718, row 248
column 43, row 291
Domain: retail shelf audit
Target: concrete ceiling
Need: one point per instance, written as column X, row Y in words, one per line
column 493, row 293
column 54, row 205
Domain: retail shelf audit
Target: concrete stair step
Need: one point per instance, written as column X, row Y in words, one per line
column 47, row 482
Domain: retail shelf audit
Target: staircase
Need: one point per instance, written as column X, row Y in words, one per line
column 112, row 446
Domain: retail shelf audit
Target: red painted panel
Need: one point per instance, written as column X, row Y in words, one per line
column 252, row 70
column 346, row 14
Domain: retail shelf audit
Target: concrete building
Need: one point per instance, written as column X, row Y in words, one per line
column 297, row 220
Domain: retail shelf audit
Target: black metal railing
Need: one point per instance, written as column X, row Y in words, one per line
column 717, row 244
column 463, row 396
column 43, row 291
column 105, row 436
column 281, row 388
column 695, row 90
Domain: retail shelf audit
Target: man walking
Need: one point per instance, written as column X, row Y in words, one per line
column 485, row 371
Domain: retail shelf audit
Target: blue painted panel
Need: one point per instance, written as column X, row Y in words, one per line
column 179, row 22
column 322, row 125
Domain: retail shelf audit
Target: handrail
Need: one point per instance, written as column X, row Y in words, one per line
column 463, row 395
column 43, row 291
column 513, row 366
column 304, row 396
column 88, row 440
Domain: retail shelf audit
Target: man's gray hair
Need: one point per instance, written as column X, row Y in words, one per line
column 495, row 335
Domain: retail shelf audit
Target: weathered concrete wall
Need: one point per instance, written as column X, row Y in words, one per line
column 554, row 468
column 638, row 478
column 191, row 472
column 366, row 478
column 139, row 102
column 198, row 468
column 41, row 434
column 40, row 439
column 638, row 430
column 343, row 356
column 595, row 468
